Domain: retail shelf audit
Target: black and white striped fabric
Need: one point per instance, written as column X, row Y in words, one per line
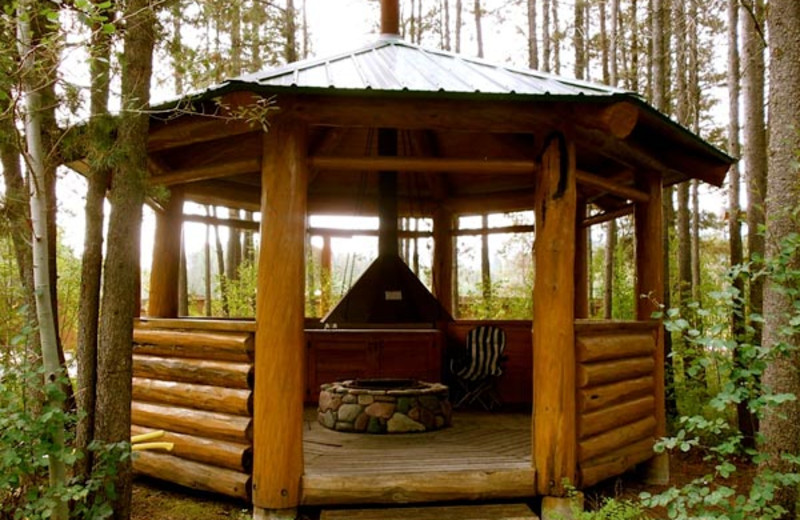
column 484, row 350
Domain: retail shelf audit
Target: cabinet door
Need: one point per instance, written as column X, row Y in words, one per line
column 416, row 356
column 337, row 359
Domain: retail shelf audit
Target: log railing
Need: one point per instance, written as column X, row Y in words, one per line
column 616, row 420
column 194, row 380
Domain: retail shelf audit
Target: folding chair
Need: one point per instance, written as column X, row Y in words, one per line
column 478, row 367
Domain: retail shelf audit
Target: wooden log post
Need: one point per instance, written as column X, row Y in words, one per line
column 554, row 416
column 164, row 272
column 650, row 292
column 581, row 263
column 443, row 258
column 280, row 341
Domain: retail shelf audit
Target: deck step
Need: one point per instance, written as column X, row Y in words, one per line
column 470, row 512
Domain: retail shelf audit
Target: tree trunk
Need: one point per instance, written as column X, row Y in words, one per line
column 633, row 74
column 234, row 250
column 579, row 39
column 207, row 268
column 478, row 27
column 459, row 7
column 695, row 195
column 604, row 43
column 755, row 153
column 446, row 24
column 486, row 274
column 290, row 32
column 781, row 424
column 32, row 65
column 556, row 34
column 547, row 43
column 223, row 279
column 533, row 45
column 614, row 72
column 92, row 258
column 608, row 282
column 121, row 274
column 183, row 281
column 17, row 211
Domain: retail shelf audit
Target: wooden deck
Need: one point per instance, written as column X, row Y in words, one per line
column 482, row 456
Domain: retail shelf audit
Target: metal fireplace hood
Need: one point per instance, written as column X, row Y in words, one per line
column 388, row 294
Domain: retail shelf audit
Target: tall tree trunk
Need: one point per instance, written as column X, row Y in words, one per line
column 223, row 280
column 446, row 24
column 17, row 211
column 234, row 249
column 660, row 101
column 633, row 74
column 556, row 34
column 306, row 39
column 33, row 65
column 608, row 282
column 235, row 7
column 781, row 425
column 755, row 153
column 207, row 310
column 183, row 281
column 547, row 42
column 579, row 39
column 486, row 274
column 290, row 33
column 614, row 70
column 479, row 27
column 695, row 195
column 121, row 273
column 604, row 44
column 92, row 258
column 533, row 45
column 459, row 8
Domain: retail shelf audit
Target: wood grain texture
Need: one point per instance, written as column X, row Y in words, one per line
column 221, row 346
column 470, row 512
column 605, row 419
column 616, row 462
column 615, row 439
column 201, row 397
column 214, row 452
column 590, row 399
column 604, row 372
column 554, row 417
column 192, row 474
column 197, row 324
column 213, row 425
column 280, row 350
column 163, row 301
column 226, row 374
column 602, row 347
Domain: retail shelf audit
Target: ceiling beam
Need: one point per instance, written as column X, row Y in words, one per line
column 425, row 164
column 212, row 171
column 608, row 215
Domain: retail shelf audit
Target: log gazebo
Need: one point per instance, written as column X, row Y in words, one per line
column 357, row 128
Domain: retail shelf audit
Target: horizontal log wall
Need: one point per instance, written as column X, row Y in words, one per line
column 615, row 397
column 195, row 382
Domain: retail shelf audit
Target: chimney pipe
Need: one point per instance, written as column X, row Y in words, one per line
column 390, row 18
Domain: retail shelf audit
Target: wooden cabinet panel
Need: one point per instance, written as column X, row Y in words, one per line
column 349, row 354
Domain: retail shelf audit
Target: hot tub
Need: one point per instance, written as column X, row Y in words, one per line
column 384, row 406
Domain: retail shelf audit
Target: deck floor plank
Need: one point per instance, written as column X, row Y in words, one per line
column 489, row 451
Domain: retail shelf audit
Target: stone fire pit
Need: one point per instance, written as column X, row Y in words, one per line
column 384, row 406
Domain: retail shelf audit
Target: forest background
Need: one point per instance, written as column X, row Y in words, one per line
column 65, row 62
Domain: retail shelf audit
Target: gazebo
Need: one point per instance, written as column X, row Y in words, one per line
column 475, row 137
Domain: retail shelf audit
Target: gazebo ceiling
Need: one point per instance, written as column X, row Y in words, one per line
column 469, row 133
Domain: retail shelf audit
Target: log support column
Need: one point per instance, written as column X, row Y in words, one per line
column 279, row 343
column 554, row 428
column 581, row 263
column 650, row 292
column 443, row 258
column 164, row 272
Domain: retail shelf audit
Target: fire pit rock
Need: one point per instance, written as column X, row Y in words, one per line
column 384, row 406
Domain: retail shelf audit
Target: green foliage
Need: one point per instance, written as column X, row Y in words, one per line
column 28, row 432
column 614, row 509
column 739, row 364
column 241, row 291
